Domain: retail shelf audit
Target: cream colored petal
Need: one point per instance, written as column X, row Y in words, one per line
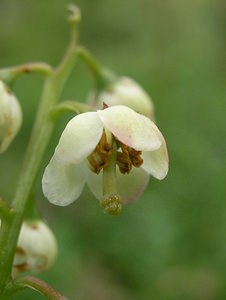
column 94, row 182
column 62, row 184
column 156, row 162
column 10, row 117
column 38, row 246
column 131, row 128
column 79, row 138
column 129, row 93
column 129, row 186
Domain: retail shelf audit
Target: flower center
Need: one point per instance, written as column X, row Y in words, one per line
column 108, row 154
column 126, row 157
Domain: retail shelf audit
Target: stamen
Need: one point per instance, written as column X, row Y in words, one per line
column 123, row 162
column 106, row 156
column 97, row 161
column 135, row 157
column 127, row 157
column 105, row 144
column 125, row 149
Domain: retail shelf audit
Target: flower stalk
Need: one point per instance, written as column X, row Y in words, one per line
column 35, row 284
column 103, row 77
column 5, row 212
column 41, row 133
column 8, row 75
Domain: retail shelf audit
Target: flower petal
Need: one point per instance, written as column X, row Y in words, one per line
column 10, row 117
column 129, row 93
column 131, row 128
column 62, row 184
column 129, row 186
column 79, row 138
column 156, row 163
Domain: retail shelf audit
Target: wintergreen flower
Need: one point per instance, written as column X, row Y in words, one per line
column 113, row 150
column 36, row 248
column 10, row 117
column 126, row 91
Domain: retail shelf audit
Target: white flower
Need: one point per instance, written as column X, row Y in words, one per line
column 126, row 91
column 10, row 117
column 113, row 150
column 36, row 248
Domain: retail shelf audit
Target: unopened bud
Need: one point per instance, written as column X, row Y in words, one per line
column 36, row 248
column 10, row 117
column 126, row 91
column 75, row 15
column 112, row 204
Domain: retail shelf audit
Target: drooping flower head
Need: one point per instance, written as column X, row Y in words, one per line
column 113, row 150
column 126, row 91
column 10, row 117
column 36, row 248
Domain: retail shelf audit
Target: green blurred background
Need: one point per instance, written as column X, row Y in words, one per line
column 171, row 244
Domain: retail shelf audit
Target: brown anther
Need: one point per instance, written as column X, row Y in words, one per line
column 97, row 161
column 125, row 149
column 124, row 162
column 104, row 146
column 135, row 157
column 132, row 155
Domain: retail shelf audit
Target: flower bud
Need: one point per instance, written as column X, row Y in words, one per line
column 10, row 117
column 36, row 248
column 126, row 91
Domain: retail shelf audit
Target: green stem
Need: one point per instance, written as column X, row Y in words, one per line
column 70, row 106
column 10, row 74
column 5, row 212
column 35, row 284
column 42, row 130
column 102, row 76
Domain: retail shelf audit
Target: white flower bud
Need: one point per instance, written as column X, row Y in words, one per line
column 36, row 248
column 10, row 117
column 127, row 92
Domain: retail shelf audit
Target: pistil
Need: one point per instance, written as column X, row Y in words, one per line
column 111, row 200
